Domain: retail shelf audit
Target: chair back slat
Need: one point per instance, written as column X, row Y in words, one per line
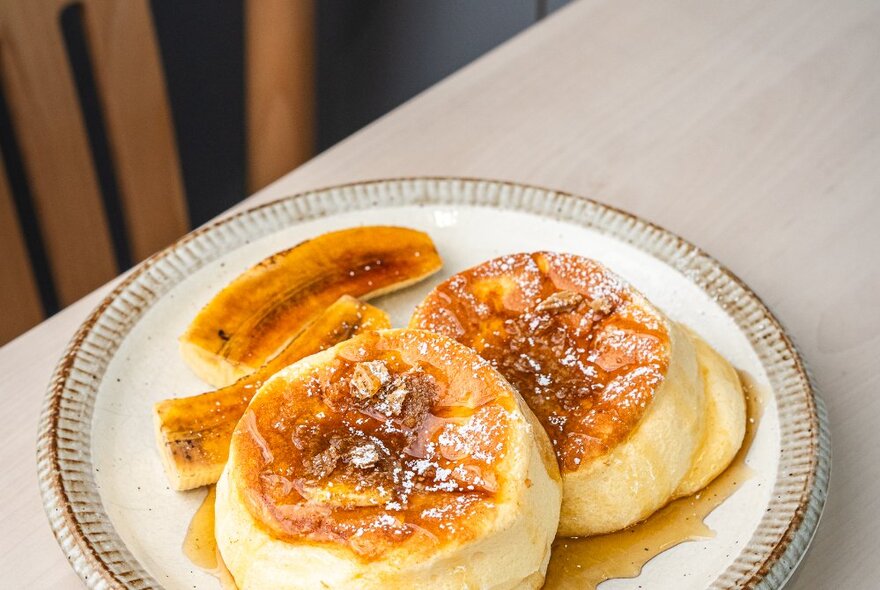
column 131, row 84
column 20, row 306
column 49, row 127
column 280, row 87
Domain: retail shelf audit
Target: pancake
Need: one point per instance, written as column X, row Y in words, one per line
column 616, row 384
column 396, row 459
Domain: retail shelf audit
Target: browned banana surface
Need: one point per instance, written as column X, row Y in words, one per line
column 259, row 312
column 194, row 432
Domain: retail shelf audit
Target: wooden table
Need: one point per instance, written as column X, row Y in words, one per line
column 751, row 128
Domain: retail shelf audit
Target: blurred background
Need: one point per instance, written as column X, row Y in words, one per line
column 126, row 123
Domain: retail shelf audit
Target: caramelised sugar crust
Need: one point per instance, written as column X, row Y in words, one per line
column 585, row 351
column 399, row 437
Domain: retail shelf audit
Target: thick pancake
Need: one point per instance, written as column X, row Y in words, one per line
column 613, row 381
column 396, row 459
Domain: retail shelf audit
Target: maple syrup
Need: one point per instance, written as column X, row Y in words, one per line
column 200, row 546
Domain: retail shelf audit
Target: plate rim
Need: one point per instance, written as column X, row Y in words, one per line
column 63, row 456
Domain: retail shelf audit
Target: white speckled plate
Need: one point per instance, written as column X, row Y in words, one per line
column 121, row 526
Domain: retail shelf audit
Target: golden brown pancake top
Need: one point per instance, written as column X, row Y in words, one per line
column 583, row 351
column 399, row 438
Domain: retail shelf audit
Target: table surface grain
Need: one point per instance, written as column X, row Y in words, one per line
column 751, row 128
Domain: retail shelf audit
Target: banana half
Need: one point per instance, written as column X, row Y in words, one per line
column 257, row 314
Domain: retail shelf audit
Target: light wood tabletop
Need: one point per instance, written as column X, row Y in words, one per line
column 750, row 128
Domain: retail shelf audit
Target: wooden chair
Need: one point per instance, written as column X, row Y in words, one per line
column 51, row 136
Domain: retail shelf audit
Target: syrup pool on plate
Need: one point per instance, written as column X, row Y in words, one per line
column 200, row 547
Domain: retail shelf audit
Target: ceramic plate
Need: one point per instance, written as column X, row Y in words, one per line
column 102, row 482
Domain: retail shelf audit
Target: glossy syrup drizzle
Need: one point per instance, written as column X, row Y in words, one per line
column 585, row 563
column 575, row 563
column 200, row 546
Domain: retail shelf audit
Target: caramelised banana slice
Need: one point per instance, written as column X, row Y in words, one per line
column 259, row 312
column 193, row 433
column 396, row 459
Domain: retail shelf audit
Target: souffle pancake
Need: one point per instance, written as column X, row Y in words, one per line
column 638, row 410
column 396, row 459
